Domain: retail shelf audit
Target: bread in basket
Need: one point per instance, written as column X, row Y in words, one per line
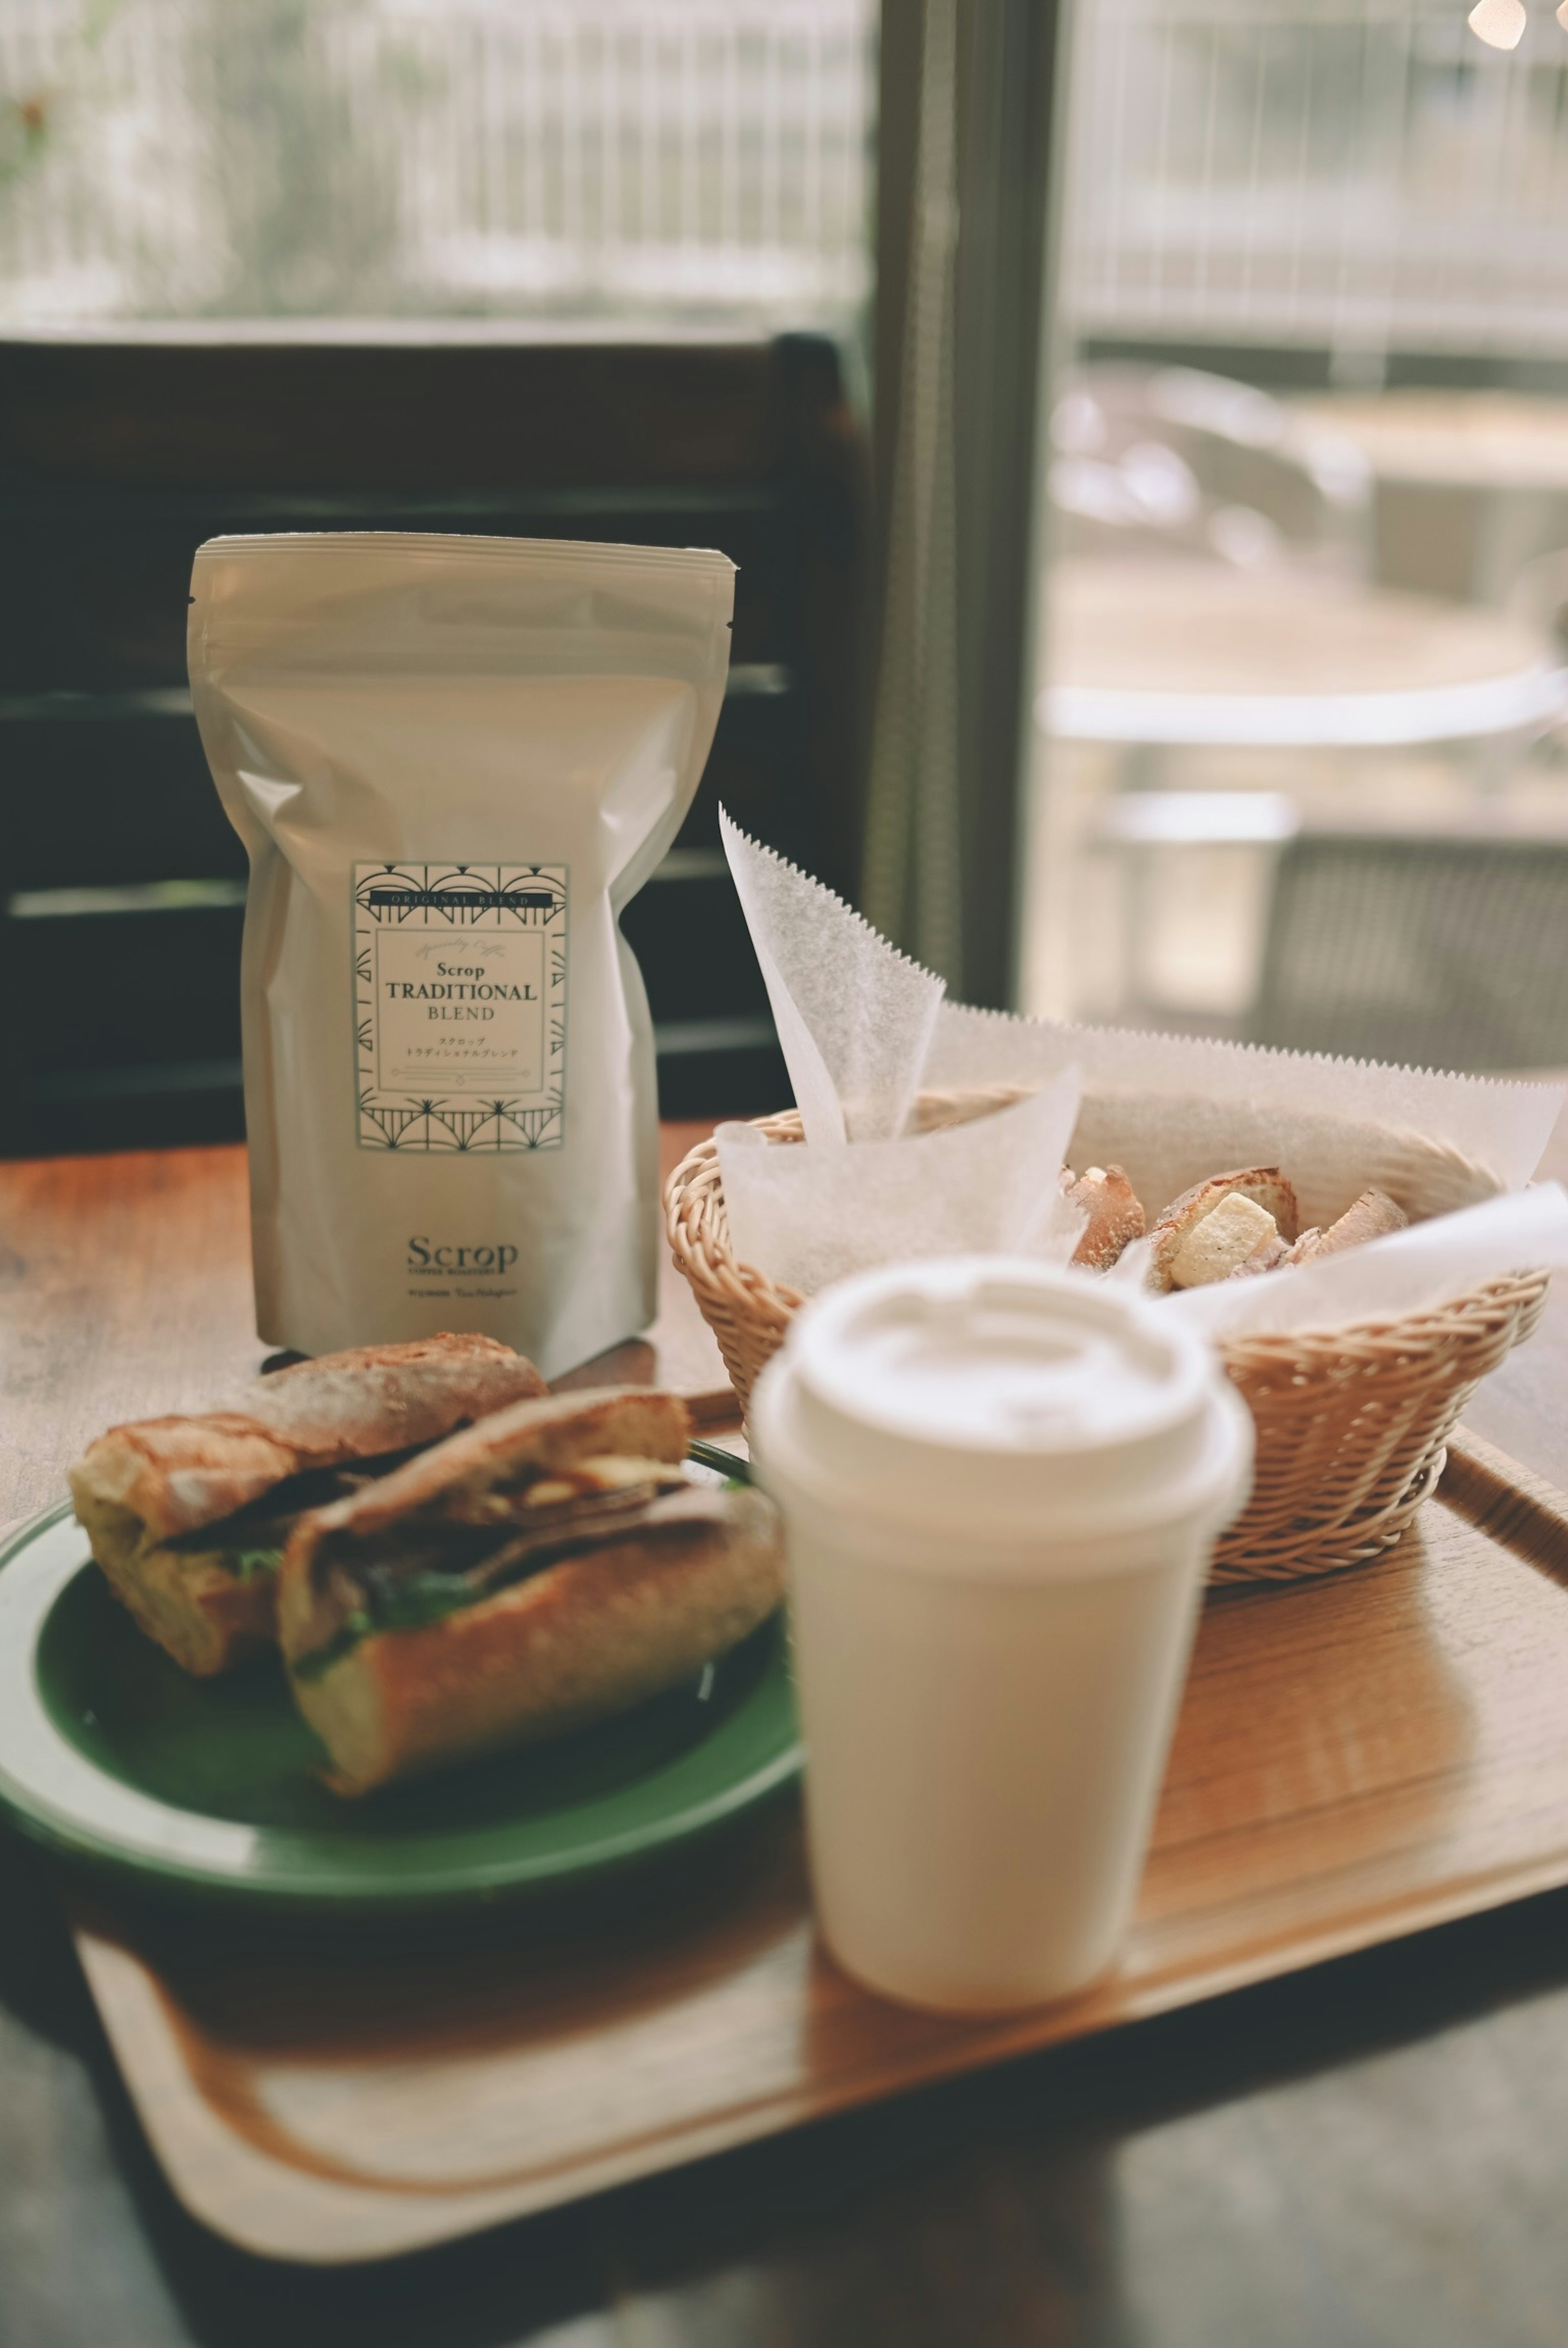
column 1351, row 1422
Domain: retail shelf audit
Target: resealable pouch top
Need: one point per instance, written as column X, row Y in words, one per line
column 452, row 761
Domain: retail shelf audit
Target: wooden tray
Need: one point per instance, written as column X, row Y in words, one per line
column 1355, row 1760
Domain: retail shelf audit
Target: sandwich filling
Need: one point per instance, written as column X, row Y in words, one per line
column 251, row 1542
column 464, row 1545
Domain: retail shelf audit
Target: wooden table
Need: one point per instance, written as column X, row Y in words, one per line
column 1376, row 2151
column 127, row 1279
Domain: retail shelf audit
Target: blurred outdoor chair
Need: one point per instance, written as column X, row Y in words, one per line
column 123, row 887
column 1436, row 953
column 1169, row 459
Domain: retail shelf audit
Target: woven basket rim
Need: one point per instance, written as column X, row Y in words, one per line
column 758, row 1290
column 1351, row 1420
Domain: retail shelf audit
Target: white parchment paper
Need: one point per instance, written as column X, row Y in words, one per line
column 865, row 1030
column 855, row 1017
column 1502, row 1124
column 808, row 1215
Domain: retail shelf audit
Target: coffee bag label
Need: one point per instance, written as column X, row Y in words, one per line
column 459, row 993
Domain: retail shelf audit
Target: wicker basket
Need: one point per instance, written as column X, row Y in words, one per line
column 1351, row 1423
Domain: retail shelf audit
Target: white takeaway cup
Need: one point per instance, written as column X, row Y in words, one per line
column 1001, row 1483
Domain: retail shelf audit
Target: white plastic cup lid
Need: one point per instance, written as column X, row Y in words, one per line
column 1000, row 1398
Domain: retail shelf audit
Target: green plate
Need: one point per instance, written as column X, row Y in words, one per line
column 112, row 1754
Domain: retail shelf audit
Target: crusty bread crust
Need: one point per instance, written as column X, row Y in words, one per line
column 1372, row 1217
column 1115, row 1215
column 196, row 1609
column 1265, row 1186
column 582, row 1640
column 177, row 1474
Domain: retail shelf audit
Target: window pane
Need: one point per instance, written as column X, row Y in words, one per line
column 223, row 159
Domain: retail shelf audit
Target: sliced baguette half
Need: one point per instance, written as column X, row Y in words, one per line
column 600, row 1624
column 142, row 1487
column 582, row 1640
column 194, row 1603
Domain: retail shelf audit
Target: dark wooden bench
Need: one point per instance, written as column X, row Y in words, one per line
column 123, row 885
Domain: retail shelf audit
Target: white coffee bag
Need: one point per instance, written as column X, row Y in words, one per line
column 452, row 761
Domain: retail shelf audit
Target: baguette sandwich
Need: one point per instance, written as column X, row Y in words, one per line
column 541, row 1571
column 188, row 1517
